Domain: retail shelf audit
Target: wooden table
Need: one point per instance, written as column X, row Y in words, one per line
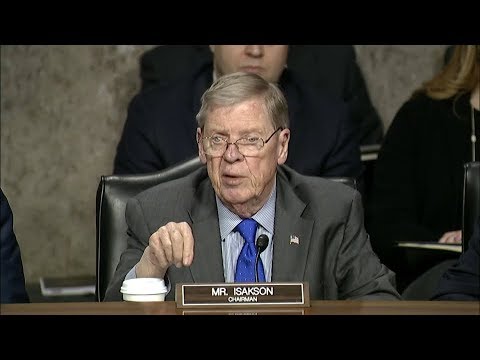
column 344, row 307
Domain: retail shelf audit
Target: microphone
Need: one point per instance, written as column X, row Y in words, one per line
column 261, row 245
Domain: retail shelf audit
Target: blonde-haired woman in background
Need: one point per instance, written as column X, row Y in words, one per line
column 418, row 181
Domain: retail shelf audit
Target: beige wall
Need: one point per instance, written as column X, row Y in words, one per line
column 62, row 112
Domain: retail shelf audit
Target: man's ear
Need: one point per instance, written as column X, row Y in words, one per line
column 283, row 141
column 201, row 154
column 212, row 48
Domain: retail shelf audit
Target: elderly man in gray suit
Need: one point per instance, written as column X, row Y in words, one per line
column 189, row 230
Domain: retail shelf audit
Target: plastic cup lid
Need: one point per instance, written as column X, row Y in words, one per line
column 144, row 286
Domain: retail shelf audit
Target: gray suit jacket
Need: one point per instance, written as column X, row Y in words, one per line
column 333, row 255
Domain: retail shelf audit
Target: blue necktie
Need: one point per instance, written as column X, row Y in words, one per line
column 245, row 271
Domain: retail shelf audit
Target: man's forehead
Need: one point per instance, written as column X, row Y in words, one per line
column 248, row 110
column 244, row 125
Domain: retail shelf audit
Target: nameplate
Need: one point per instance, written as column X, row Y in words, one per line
column 243, row 294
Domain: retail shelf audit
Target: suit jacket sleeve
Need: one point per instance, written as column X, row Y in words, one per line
column 136, row 150
column 345, row 159
column 462, row 281
column 358, row 271
column 12, row 276
column 361, row 107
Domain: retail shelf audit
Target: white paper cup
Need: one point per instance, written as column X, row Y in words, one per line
column 144, row 289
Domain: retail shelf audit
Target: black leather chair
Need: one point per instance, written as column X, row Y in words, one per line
column 345, row 180
column 471, row 200
column 112, row 196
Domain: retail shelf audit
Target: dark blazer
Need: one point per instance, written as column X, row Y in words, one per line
column 462, row 280
column 334, row 254
column 160, row 129
column 418, row 181
column 12, row 279
column 332, row 68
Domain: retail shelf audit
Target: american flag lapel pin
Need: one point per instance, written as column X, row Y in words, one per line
column 294, row 239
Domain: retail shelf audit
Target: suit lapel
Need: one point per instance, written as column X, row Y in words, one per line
column 292, row 235
column 207, row 263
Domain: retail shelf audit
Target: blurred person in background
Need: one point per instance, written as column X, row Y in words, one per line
column 160, row 127
column 418, row 179
column 12, row 279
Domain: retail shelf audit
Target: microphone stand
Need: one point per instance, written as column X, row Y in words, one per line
column 261, row 245
column 256, row 265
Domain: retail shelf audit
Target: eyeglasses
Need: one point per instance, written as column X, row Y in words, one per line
column 247, row 146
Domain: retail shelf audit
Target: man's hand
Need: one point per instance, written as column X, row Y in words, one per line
column 172, row 244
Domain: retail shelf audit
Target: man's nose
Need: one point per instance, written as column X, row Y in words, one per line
column 232, row 153
column 255, row 50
